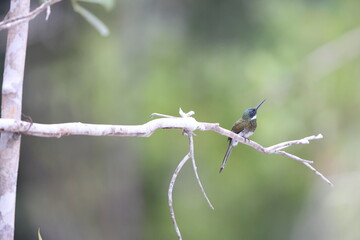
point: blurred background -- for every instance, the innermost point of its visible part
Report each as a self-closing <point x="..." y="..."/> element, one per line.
<point x="216" y="58"/>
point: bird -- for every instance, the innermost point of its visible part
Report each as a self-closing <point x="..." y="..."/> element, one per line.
<point x="244" y="127"/>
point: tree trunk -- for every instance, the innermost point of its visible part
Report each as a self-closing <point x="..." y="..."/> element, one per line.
<point x="11" y="108"/>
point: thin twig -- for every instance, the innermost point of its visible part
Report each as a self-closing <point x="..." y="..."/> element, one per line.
<point x="191" y="143"/>
<point x="286" y="154"/>
<point x="160" y="115"/>
<point x="170" y="191"/>
<point x="7" y="23"/>
<point x="318" y="173"/>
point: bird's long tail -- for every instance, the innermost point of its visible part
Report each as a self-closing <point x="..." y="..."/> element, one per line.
<point x="227" y="154"/>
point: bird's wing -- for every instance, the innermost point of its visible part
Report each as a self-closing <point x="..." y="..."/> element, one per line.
<point x="237" y="127"/>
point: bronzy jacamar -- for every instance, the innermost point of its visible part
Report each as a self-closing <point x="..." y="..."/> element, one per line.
<point x="244" y="127"/>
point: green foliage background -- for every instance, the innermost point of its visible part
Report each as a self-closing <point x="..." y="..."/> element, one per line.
<point x="216" y="58"/>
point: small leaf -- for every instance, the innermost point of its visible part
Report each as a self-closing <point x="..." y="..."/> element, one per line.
<point x="92" y="19"/>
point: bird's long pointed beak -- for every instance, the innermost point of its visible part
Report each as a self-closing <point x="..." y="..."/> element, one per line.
<point x="260" y="104"/>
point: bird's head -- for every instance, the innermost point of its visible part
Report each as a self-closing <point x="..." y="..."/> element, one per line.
<point x="250" y="114"/>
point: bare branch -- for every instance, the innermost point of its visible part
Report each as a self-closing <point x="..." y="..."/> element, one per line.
<point x="7" y="23"/>
<point x="186" y="123"/>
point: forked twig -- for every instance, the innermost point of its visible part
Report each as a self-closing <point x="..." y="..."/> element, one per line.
<point x="191" y="155"/>
<point x="276" y="149"/>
